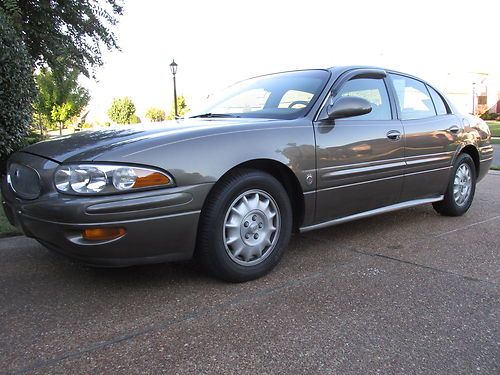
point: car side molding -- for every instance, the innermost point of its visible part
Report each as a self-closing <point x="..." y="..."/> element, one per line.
<point x="377" y="211"/>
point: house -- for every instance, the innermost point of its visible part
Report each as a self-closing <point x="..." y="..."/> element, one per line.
<point x="475" y="93"/>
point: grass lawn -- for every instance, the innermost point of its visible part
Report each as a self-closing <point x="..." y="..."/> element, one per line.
<point x="5" y="228"/>
<point x="495" y="141"/>
<point x="494" y="127"/>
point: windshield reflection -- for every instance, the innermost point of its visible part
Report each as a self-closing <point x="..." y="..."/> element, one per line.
<point x="277" y="96"/>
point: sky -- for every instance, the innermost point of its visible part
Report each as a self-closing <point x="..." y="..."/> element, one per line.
<point x="219" y="42"/>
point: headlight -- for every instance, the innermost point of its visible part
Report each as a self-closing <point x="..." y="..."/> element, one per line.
<point x="103" y="179"/>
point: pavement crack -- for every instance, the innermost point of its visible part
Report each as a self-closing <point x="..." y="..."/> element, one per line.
<point x="456" y="230"/>
<point x="167" y="323"/>
<point x="375" y="254"/>
<point x="469" y="278"/>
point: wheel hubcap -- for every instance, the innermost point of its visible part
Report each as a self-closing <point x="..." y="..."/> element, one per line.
<point x="251" y="227"/>
<point x="462" y="184"/>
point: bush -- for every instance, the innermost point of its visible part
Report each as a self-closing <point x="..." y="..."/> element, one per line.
<point x="134" y="119"/>
<point x="31" y="138"/>
<point x="17" y="89"/>
<point x="490" y="116"/>
<point x="155" y="114"/>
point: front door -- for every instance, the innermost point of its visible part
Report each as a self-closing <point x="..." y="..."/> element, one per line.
<point x="360" y="160"/>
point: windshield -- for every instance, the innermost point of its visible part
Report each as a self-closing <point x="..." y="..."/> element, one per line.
<point x="280" y="96"/>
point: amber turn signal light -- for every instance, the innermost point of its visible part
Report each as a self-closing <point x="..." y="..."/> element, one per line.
<point x="151" y="179"/>
<point x="103" y="234"/>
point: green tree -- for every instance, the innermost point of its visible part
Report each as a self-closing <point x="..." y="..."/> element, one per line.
<point x="122" y="111"/>
<point x="74" y="29"/>
<point x="65" y="35"/>
<point x="60" y="96"/>
<point x="182" y="108"/>
<point x="17" y="88"/>
<point x="155" y="114"/>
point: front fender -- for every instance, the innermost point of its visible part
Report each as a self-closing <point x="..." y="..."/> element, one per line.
<point x="206" y="158"/>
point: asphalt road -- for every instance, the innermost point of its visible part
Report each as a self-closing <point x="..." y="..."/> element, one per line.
<point x="409" y="292"/>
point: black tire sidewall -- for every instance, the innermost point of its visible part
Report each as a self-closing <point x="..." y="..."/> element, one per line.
<point x="216" y="256"/>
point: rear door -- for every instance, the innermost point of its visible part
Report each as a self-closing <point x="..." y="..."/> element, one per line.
<point x="359" y="159"/>
<point x="431" y="137"/>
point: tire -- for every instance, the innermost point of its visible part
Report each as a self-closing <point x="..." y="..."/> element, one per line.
<point x="236" y="239"/>
<point x="461" y="188"/>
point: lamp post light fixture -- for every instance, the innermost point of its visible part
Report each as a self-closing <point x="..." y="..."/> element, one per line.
<point x="173" y="69"/>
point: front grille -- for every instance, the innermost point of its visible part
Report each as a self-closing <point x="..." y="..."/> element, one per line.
<point x="24" y="180"/>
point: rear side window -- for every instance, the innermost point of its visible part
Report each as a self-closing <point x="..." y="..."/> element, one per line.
<point x="438" y="102"/>
<point x="413" y="98"/>
<point x="375" y="92"/>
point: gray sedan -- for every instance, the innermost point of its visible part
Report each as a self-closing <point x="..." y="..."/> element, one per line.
<point x="292" y="151"/>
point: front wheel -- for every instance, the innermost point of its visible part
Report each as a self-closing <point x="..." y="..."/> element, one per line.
<point x="461" y="188"/>
<point x="245" y="226"/>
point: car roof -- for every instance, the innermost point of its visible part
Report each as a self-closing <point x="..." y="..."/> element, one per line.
<point x="343" y="68"/>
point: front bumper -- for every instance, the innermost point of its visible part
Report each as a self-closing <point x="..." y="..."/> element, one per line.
<point x="160" y="225"/>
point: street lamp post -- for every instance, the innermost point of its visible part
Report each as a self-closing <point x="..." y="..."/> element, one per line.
<point x="173" y="69"/>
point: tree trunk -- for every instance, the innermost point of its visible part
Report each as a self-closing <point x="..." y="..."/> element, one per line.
<point x="60" y="128"/>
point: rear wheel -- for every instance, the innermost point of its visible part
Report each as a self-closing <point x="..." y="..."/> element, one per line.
<point x="461" y="188"/>
<point x="245" y="226"/>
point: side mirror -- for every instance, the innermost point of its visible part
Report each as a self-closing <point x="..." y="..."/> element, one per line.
<point x="348" y="106"/>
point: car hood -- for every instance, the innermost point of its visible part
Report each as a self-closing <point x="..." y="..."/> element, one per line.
<point x="90" y="145"/>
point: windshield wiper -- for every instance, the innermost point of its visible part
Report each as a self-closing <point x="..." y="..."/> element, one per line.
<point x="210" y="115"/>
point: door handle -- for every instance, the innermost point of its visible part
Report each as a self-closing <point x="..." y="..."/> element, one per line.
<point x="394" y="135"/>
<point x="453" y="129"/>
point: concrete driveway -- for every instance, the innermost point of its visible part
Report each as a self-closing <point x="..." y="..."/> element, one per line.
<point x="409" y="292"/>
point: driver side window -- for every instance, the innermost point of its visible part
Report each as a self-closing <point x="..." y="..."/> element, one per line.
<point x="375" y="92"/>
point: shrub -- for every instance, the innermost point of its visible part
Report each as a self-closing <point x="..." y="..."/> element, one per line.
<point x="182" y="108"/>
<point x="17" y="89"/>
<point x="134" y="119"/>
<point x="155" y="114"/>
<point x="490" y="116"/>
<point x="31" y="138"/>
